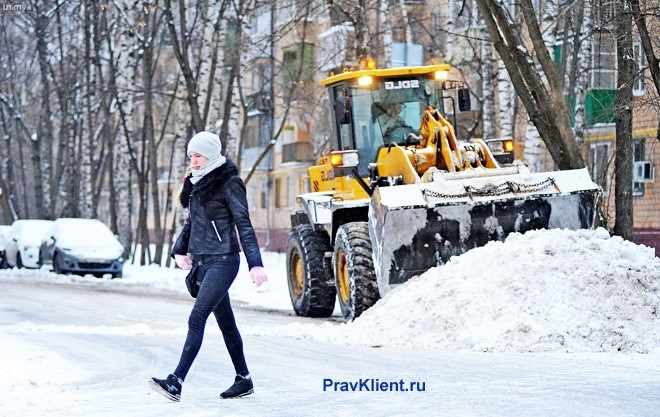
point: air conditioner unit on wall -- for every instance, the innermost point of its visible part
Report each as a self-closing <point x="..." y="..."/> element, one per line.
<point x="643" y="171"/>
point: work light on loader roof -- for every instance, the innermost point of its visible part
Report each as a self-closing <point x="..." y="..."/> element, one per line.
<point x="399" y="193"/>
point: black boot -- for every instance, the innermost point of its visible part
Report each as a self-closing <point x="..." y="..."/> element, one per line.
<point x="170" y="388"/>
<point x="242" y="386"/>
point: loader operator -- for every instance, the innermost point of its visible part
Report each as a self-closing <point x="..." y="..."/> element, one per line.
<point x="391" y="118"/>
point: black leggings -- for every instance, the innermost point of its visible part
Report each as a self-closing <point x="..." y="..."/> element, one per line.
<point x="218" y="272"/>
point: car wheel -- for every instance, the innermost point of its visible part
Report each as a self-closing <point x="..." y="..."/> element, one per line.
<point x="56" y="264"/>
<point x="19" y="261"/>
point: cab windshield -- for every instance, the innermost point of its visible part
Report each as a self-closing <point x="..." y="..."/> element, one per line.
<point x="387" y="113"/>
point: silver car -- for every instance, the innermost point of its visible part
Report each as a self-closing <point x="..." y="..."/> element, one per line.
<point x="82" y="246"/>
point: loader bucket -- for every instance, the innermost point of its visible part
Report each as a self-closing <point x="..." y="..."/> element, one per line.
<point x="418" y="226"/>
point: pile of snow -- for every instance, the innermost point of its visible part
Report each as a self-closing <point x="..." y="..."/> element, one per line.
<point x="550" y="290"/>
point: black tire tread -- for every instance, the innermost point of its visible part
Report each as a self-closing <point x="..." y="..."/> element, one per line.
<point x="318" y="297"/>
<point x="354" y="240"/>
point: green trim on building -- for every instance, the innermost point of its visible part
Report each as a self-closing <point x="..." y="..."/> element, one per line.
<point x="599" y="106"/>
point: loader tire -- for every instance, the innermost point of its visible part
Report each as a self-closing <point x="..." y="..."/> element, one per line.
<point x="311" y="284"/>
<point x="355" y="276"/>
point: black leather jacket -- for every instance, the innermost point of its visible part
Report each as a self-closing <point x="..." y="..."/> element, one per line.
<point x="217" y="209"/>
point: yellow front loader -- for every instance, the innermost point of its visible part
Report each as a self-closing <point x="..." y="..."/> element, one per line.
<point x="399" y="193"/>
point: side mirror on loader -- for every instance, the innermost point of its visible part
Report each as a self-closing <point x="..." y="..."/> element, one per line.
<point x="464" y="102"/>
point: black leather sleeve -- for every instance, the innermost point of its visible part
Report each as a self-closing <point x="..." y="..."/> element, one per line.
<point x="238" y="205"/>
<point x="181" y="245"/>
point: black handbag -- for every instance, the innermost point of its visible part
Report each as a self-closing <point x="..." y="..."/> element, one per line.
<point x="192" y="283"/>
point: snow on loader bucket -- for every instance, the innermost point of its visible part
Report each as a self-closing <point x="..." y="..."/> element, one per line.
<point x="418" y="226"/>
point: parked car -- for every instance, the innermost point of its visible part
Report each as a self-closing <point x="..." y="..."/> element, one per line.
<point x="82" y="246"/>
<point x="4" y="232"/>
<point x="23" y="242"/>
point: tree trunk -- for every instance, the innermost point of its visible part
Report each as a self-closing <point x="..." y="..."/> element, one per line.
<point x="385" y="29"/>
<point x="41" y="145"/>
<point x="86" y="206"/>
<point x="487" y="88"/>
<point x="180" y="47"/>
<point x="623" y="98"/>
<point x="583" y="49"/>
<point x="151" y="30"/>
<point x="406" y="22"/>
<point x="121" y="176"/>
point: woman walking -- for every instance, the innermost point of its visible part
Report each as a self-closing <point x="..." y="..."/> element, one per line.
<point x="209" y="246"/>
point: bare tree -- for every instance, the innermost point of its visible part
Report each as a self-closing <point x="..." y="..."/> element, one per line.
<point x="355" y="13"/>
<point x="191" y="53"/>
<point x="98" y="119"/>
<point x="542" y="95"/>
<point x="14" y="118"/>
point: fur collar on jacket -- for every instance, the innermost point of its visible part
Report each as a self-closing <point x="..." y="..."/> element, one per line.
<point x="209" y="184"/>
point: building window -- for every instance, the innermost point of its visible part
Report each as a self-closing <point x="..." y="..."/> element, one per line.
<point x="264" y="193"/>
<point x="305" y="186"/>
<point x="603" y="13"/>
<point x="557" y="52"/>
<point x="638" y="52"/>
<point x="603" y="63"/>
<point x="251" y="137"/>
<point x="294" y="190"/>
<point x="281" y="192"/>
<point x="253" y="194"/>
<point x="599" y="156"/>
<point x="639" y="146"/>
<point x="231" y="38"/>
<point x="298" y="64"/>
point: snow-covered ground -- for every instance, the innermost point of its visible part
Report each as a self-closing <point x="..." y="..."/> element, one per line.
<point x="553" y="300"/>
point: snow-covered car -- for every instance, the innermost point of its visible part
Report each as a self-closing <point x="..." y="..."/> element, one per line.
<point x="82" y="246"/>
<point x="23" y="242"/>
<point x="4" y="231"/>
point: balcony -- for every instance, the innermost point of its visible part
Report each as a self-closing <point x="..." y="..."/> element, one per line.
<point x="260" y="102"/>
<point x="298" y="152"/>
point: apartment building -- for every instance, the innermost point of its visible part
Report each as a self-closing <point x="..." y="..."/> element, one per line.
<point x="319" y="45"/>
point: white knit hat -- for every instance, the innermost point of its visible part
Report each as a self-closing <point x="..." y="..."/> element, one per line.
<point x="205" y="143"/>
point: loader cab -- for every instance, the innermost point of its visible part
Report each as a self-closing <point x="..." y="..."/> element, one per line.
<point x="372" y="108"/>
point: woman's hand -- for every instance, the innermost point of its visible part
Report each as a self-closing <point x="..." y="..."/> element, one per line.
<point x="258" y="274"/>
<point x="183" y="261"/>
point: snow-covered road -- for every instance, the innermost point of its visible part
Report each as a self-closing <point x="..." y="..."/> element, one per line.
<point x="76" y="350"/>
